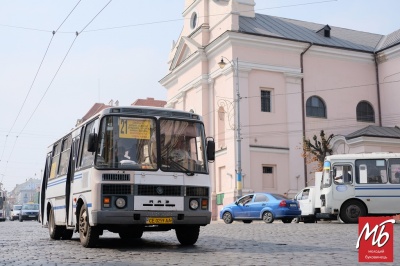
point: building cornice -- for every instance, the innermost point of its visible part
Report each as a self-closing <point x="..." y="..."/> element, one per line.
<point x="231" y="38"/>
<point x="373" y="141"/>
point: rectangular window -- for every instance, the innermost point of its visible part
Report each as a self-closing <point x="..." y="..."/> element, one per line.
<point x="371" y="171"/>
<point x="87" y="157"/>
<point x="55" y="160"/>
<point x="220" y="199"/>
<point x="394" y="166"/>
<point x="66" y="148"/>
<point x="265" y="101"/>
<point x="267" y="170"/>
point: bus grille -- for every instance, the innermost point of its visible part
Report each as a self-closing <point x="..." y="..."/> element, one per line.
<point x="159" y="190"/>
<point x="116" y="177"/>
<point x="117" y="189"/>
<point x="197" y="191"/>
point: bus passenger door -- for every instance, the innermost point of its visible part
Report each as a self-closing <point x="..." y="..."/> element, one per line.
<point x="43" y="190"/>
<point x="69" y="204"/>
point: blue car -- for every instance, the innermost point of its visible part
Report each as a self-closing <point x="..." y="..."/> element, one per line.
<point x="261" y="206"/>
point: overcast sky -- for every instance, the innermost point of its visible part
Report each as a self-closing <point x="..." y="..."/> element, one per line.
<point x="120" y="55"/>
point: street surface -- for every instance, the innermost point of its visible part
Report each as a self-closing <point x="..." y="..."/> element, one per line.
<point x="324" y="243"/>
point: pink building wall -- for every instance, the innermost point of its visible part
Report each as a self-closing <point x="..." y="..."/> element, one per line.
<point x="341" y="78"/>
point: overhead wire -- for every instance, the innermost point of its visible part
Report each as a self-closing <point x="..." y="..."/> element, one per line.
<point x="168" y="20"/>
<point x="52" y="80"/>
<point x="27" y="95"/>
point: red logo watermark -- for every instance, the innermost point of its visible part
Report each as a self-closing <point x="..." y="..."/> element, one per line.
<point x="375" y="239"/>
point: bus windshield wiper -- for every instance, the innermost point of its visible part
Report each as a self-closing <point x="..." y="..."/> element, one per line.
<point x="180" y="167"/>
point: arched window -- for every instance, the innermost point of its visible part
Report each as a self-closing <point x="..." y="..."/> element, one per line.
<point x="365" y="112"/>
<point x="315" y="107"/>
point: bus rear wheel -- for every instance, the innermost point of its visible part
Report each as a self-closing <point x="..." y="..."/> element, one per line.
<point x="55" y="231"/>
<point x="351" y="211"/>
<point x="187" y="235"/>
<point x="88" y="235"/>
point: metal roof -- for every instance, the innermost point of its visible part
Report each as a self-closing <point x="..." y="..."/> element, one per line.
<point x="310" y="32"/>
<point x="376" y="131"/>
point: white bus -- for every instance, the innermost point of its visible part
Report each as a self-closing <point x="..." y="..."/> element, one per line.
<point x="118" y="171"/>
<point x="355" y="185"/>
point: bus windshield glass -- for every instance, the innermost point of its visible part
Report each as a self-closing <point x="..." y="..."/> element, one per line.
<point x="181" y="144"/>
<point x="127" y="143"/>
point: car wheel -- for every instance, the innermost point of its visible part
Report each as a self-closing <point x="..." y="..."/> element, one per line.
<point x="268" y="217"/>
<point x="88" y="234"/>
<point x="296" y="220"/>
<point x="55" y="231"/>
<point x="247" y="221"/>
<point x="227" y="217"/>
<point x="187" y="235"/>
<point x="351" y="211"/>
<point x="287" y="220"/>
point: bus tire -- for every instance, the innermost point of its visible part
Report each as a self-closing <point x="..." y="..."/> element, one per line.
<point x="187" y="235"/>
<point x="55" y="231"/>
<point x="88" y="235"/>
<point x="351" y="211"/>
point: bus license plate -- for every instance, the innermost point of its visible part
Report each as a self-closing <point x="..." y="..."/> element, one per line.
<point x="159" y="220"/>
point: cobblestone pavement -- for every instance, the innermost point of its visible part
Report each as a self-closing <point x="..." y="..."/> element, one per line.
<point x="27" y="243"/>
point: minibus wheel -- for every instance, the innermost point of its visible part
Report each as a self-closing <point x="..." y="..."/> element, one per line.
<point x="55" y="231"/>
<point x="351" y="211"/>
<point x="88" y="234"/>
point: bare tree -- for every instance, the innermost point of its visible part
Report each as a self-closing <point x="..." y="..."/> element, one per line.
<point x="316" y="150"/>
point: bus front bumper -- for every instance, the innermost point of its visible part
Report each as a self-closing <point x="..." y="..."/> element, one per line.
<point x="147" y="218"/>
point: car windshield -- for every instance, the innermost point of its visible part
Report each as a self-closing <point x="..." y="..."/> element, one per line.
<point x="31" y="207"/>
<point x="17" y="207"/>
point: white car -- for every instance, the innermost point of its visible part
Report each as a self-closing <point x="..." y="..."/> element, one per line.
<point x="14" y="215"/>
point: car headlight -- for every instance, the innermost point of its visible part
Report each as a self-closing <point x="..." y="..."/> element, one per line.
<point x="120" y="203"/>
<point x="193" y="204"/>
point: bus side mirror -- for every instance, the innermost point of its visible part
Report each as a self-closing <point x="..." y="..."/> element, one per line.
<point x="210" y="150"/>
<point x="92" y="142"/>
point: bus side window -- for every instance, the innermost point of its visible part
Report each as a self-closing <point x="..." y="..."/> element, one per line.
<point x="394" y="171"/>
<point x="87" y="157"/>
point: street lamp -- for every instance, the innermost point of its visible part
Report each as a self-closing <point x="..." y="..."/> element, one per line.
<point x="235" y="67"/>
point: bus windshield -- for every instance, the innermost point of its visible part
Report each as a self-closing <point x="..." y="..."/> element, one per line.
<point x="127" y="143"/>
<point x="131" y="143"/>
<point x="181" y="144"/>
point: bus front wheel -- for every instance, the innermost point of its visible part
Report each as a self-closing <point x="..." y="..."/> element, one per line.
<point x="351" y="211"/>
<point x="88" y="234"/>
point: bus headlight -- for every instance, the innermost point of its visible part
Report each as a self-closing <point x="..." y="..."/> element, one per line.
<point x="193" y="204"/>
<point x="120" y="203"/>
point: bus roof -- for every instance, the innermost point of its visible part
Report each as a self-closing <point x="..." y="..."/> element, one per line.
<point x="372" y="155"/>
<point x="137" y="110"/>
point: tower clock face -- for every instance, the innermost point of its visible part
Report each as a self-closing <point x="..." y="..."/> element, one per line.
<point x="193" y="20"/>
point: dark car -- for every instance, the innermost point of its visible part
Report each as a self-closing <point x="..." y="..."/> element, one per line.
<point x="29" y="211"/>
<point x="261" y="206"/>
